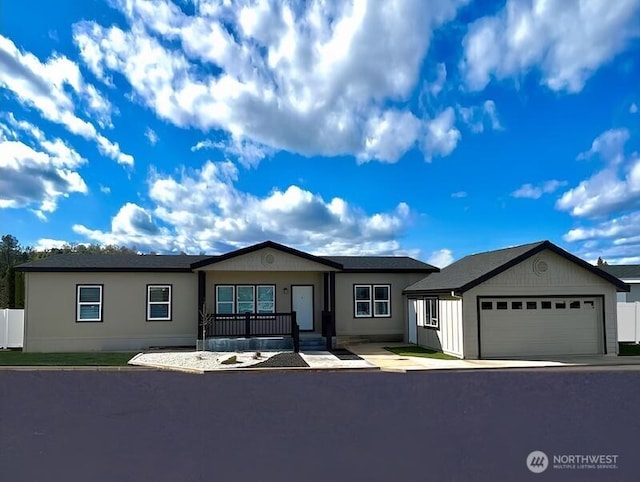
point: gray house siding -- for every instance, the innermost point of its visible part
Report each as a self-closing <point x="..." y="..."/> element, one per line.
<point x="50" y="320"/>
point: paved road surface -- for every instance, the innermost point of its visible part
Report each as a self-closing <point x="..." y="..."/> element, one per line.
<point x="313" y="426"/>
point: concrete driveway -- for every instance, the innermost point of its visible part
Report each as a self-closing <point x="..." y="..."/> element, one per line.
<point x="375" y="354"/>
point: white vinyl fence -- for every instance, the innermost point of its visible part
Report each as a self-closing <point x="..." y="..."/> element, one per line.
<point x="629" y="322"/>
<point x="11" y="328"/>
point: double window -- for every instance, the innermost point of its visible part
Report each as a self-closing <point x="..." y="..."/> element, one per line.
<point x="158" y="302"/>
<point x="245" y="299"/>
<point x="372" y="301"/>
<point x="89" y="303"/>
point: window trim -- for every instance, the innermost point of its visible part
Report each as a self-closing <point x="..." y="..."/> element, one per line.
<point x="81" y="303"/>
<point x="168" y="303"/>
<point x="234" y="302"/>
<point x="431" y="322"/>
<point x="371" y="300"/>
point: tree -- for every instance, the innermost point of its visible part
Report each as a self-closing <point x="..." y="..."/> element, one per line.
<point x="9" y="254"/>
<point x="601" y="262"/>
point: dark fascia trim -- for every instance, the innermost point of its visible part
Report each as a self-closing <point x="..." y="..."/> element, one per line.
<point x="535" y="250"/>
<point x="68" y="269"/>
<point x="411" y="294"/>
<point x="391" y="270"/>
<point x="263" y="245"/>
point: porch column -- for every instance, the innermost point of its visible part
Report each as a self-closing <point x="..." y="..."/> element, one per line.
<point x="202" y="289"/>
<point x="326" y="292"/>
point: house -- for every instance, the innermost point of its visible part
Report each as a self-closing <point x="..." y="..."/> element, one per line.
<point x="630" y="274"/>
<point x="130" y="302"/>
<point x="529" y="300"/>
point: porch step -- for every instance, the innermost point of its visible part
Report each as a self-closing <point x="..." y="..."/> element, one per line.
<point x="345" y="341"/>
<point x="312" y="343"/>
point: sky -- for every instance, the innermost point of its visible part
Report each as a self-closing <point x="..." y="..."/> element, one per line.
<point x="433" y="129"/>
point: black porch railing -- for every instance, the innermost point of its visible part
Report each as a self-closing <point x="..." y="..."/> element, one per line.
<point x="249" y="325"/>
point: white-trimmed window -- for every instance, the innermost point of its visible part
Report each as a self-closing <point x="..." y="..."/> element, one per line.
<point x="372" y="301"/>
<point x="266" y="299"/>
<point x="225" y="299"/>
<point x="158" y="302"/>
<point x="431" y="319"/>
<point x="245" y="299"/>
<point x="89" y="306"/>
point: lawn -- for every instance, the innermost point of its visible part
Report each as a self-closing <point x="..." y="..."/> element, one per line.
<point x="413" y="350"/>
<point x="628" y="349"/>
<point x="18" y="358"/>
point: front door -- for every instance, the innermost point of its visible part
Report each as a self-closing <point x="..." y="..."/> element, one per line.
<point x="302" y="304"/>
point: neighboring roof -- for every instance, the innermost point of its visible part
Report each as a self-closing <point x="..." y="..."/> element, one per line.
<point x="382" y="264"/>
<point x="266" y="244"/>
<point x="472" y="270"/>
<point x="623" y="271"/>
<point x="113" y="262"/>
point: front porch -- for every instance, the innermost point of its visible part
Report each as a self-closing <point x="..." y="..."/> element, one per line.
<point x="262" y="331"/>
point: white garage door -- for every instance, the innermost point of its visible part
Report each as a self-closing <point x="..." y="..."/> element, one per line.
<point x="514" y="327"/>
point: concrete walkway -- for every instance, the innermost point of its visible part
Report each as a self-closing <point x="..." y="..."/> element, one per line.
<point x="375" y="354"/>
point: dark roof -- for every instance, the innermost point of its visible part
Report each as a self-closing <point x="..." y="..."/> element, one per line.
<point x="186" y="263"/>
<point x="474" y="269"/>
<point x="113" y="262"/>
<point x="382" y="264"/>
<point x="266" y="244"/>
<point x="622" y="271"/>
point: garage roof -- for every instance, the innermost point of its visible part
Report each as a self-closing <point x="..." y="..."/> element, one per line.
<point x="474" y="269"/>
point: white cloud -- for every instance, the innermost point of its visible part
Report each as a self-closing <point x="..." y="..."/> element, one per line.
<point x="204" y="211"/>
<point x="46" y="244"/>
<point x="529" y="191"/>
<point x="566" y="41"/>
<point x="151" y="136"/>
<point x="441" y="258"/>
<point x="615" y="187"/>
<point x="633" y="108"/>
<point x="459" y="194"/>
<point x="441" y="135"/>
<point x="437" y="85"/>
<point x="35" y="171"/>
<point x="246" y="152"/>
<point x="475" y="117"/>
<point x="47" y="87"/>
<point x="315" y="78"/>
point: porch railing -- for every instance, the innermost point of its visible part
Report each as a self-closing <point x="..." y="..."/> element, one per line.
<point x="250" y="325"/>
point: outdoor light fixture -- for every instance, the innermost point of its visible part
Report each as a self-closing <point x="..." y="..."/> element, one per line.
<point x="286" y="290"/>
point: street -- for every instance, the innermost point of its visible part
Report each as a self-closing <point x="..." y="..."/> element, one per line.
<point x="315" y="426"/>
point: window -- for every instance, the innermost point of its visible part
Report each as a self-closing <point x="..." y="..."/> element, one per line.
<point x="225" y="300"/>
<point x="588" y="304"/>
<point x="545" y="305"/>
<point x="431" y="313"/>
<point x="560" y="305"/>
<point x="381" y="301"/>
<point x="158" y="302"/>
<point x="372" y="301"/>
<point x="501" y="305"/>
<point x="532" y="305"/>
<point x="89" y="303"/>
<point x="516" y="305"/>
<point x="266" y="299"/>
<point x="574" y="305"/>
<point x="245" y="299"/>
<point x="486" y="305"/>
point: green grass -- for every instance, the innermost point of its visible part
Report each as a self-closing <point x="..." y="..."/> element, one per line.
<point x="17" y="358"/>
<point x="413" y="350"/>
<point x="628" y="349"/>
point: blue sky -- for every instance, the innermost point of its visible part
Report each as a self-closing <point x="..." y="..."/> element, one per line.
<point x="434" y="129"/>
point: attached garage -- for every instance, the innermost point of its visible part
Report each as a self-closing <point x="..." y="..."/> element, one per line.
<point x="534" y="326"/>
<point x="534" y="300"/>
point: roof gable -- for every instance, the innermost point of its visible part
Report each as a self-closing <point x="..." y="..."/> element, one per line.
<point x="260" y="246"/>
<point x="475" y="269"/>
<point x="622" y="271"/>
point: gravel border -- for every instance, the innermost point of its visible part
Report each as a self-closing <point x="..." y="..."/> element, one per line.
<point x="283" y="360"/>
